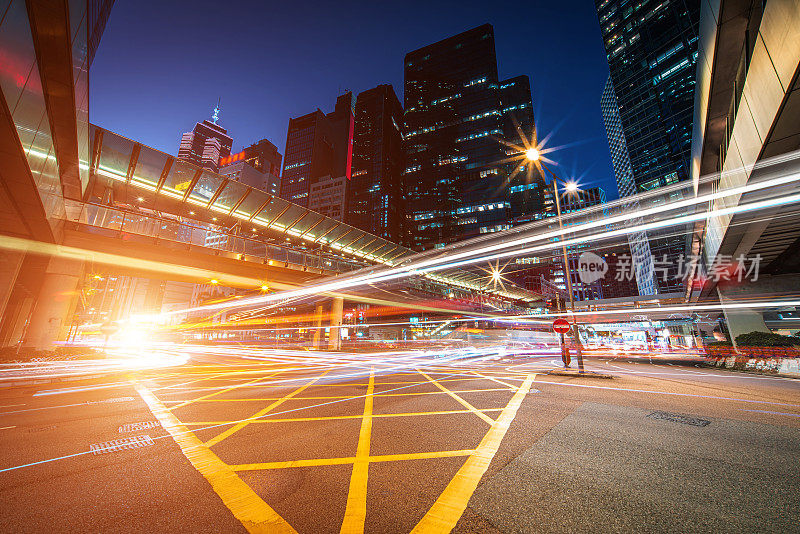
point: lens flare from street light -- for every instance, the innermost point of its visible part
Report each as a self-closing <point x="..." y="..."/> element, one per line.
<point x="572" y="187"/>
<point x="532" y="154"/>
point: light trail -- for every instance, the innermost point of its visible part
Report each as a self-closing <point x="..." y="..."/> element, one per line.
<point x="245" y="420"/>
<point x="436" y="264"/>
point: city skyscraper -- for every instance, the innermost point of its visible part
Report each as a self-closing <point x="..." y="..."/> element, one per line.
<point x="375" y="190"/>
<point x="525" y="183"/>
<point x="206" y="143"/>
<point x="318" y="145"/>
<point x="623" y="172"/>
<point x="652" y="52"/>
<point x="455" y="171"/>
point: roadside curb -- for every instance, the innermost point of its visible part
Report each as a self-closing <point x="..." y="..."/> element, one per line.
<point x="749" y="372"/>
<point x="578" y="374"/>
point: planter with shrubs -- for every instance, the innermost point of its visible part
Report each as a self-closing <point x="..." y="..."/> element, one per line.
<point x="757" y="351"/>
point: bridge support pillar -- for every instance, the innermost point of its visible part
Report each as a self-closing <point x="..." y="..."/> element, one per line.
<point x="319" y="310"/>
<point x="10" y="263"/>
<point x="740" y="320"/>
<point x="335" y="338"/>
<point x="49" y="320"/>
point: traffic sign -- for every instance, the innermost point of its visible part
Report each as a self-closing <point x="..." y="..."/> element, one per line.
<point x="561" y="326"/>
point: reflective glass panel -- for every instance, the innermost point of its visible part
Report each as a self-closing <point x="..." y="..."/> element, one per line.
<point x="205" y="188"/>
<point x="229" y="196"/>
<point x="179" y="178"/>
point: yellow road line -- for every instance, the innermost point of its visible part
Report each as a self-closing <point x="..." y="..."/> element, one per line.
<point x="214" y="376"/>
<point x="461" y="401"/>
<point x="448" y="508"/>
<point x="204" y="397"/>
<point x="335" y="417"/>
<point x="255" y="514"/>
<point x="493" y="379"/>
<point x="378" y="394"/>
<point x="356" y="512"/>
<point x="350" y="460"/>
<point x="227" y="433"/>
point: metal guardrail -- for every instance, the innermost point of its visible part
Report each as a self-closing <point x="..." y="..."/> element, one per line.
<point x="209" y="238"/>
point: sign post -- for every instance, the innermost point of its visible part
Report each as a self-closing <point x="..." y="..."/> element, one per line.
<point x="561" y="326"/>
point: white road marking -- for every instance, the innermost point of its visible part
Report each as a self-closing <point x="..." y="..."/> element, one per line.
<point x="117" y="445"/>
<point x="143" y="425"/>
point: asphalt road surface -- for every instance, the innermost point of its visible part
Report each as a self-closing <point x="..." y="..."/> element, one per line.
<point x="318" y="442"/>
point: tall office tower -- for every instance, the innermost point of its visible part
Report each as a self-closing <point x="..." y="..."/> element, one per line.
<point x="206" y="143"/>
<point x="638" y="243"/>
<point x="525" y="183"/>
<point x="652" y="51"/>
<point x="258" y="165"/>
<point x="318" y="145"/>
<point x="375" y="195"/>
<point x="455" y="173"/>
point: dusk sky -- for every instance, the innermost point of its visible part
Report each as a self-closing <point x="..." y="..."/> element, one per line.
<point x="161" y="66"/>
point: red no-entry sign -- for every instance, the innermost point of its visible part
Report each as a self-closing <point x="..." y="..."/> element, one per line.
<point x="561" y="326"/>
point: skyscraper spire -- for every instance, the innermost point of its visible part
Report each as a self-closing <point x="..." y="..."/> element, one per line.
<point x="215" y="114"/>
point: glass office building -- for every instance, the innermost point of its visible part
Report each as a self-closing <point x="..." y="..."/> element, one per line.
<point x="623" y="172"/>
<point x="651" y="48"/>
<point x="318" y="145"/>
<point x="374" y="197"/>
<point x="454" y="175"/>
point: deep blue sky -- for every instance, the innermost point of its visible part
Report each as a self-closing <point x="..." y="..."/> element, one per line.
<point x="161" y="65"/>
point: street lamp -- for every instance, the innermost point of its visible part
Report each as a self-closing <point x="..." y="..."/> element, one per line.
<point x="532" y="155"/>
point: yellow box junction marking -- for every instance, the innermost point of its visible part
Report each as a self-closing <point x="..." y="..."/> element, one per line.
<point x="255" y="514"/>
<point x="226" y="434"/>
<point x="220" y="392"/>
<point x="356" y="512"/>
<point x="493" y="379"/>
<point x="351" y="459"/>
<point x="328" y="397"/>
<point x="339" y="417"/>
<point x="461" y="401"/>
<point x="448" y="508"/>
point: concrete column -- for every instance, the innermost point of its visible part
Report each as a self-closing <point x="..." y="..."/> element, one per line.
<point x="318" y="312"/>
<point x="10" y="263"/>
<point x="740" y="320"/>
<point x="49" y="320"/>
<point x="334" y="338"/>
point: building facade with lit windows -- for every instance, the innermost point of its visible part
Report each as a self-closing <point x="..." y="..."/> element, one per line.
<point x="374" y="199"/>
<point x="263" y="158"/>
<point x="206" y="144"/>
<point x="623" y="172"/>
<point x="454" y="126"/>
<point x="651" y="48"/>
<point x="318" y="145"/>
<point x="525" y="182"/>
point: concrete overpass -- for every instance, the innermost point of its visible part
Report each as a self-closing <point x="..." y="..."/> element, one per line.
<point x="747" y="130"/>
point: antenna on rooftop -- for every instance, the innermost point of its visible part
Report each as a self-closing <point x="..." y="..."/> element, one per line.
<point x="215" y="114"/>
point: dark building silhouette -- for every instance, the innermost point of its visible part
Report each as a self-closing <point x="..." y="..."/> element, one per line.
<point x="456" y="174"/>
<point x="318" y="145"/>
<point x="374" y="199"/>
<point x="525" y="183"/>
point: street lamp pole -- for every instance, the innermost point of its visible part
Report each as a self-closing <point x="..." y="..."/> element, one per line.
<point x="532" y="154"/>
